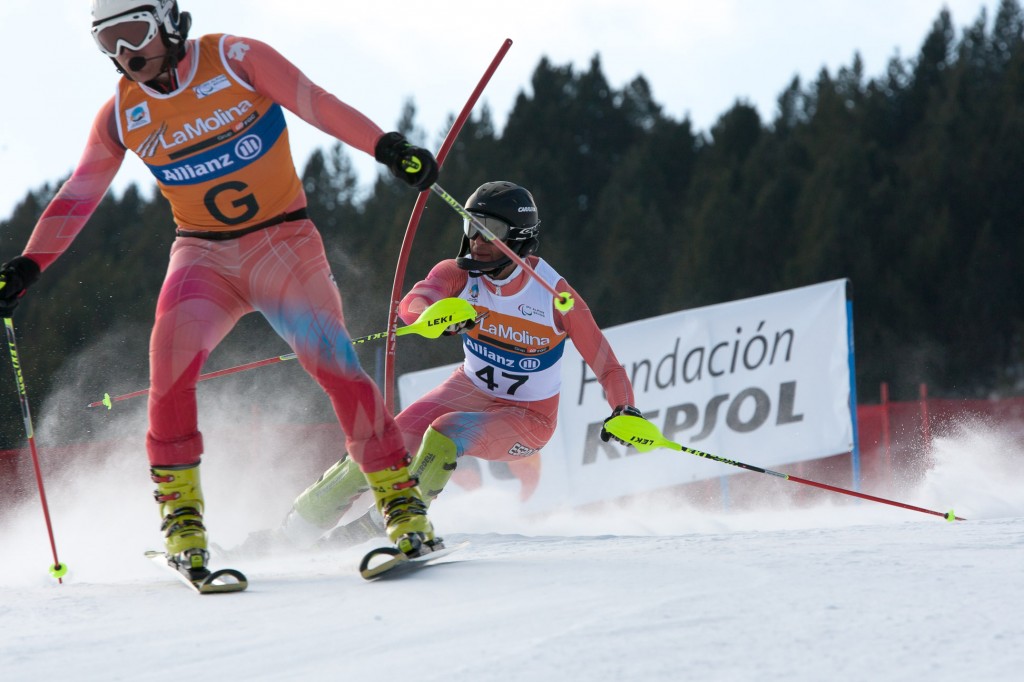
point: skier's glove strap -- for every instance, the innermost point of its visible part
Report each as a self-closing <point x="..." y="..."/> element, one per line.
<point x="459" y="327"/>
<point x="621" y="409"/>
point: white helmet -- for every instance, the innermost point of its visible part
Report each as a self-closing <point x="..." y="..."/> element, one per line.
<point x="152" y="17"/>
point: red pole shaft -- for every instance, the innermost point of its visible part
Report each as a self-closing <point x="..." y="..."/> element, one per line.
<point x="797" y="479"/>
<point x="414" y="221"/>
<point x="204" y="377"/>
<point x="46" y="506"/>
<point x="26" y="415"/>
<point x="863" y="496"/>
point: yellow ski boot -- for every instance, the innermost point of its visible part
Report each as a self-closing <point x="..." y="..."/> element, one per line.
<point x="405" y="513"/>
<point x="432" y="467"/>
<point x="320" y="506"/>
<point x="434" y="464"/>
<point x="180" y="497"/>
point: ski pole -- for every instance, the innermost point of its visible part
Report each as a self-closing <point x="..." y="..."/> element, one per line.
<point x="644" y="436"/>
<point x="430" y="324"/>
<point x="57" y="570"/>
<point x="563" y="300"/>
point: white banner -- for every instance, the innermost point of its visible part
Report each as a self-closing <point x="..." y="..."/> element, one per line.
<point x="764" y="380"/>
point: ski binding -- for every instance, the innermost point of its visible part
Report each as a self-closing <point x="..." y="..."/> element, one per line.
<point x="203" y="581"/>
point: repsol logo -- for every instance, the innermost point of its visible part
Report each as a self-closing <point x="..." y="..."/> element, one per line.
<point x="745" y="412"/>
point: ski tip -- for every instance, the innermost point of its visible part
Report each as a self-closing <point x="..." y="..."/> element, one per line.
<point x="395" y="562"/>
<point x="224" y="580"/>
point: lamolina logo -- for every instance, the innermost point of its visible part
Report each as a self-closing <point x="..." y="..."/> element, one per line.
<point x="220" y="118"/>
<point x="503" y="331"/>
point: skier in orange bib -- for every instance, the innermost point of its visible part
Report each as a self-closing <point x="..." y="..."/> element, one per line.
<point x="205" y="115"/>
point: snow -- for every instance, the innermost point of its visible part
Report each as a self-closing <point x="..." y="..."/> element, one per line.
<point x="658" y="589"/>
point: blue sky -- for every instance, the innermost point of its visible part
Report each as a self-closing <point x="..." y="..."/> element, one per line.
<point x="698" y="56"/>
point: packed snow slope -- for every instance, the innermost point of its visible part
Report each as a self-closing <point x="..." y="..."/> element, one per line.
<point x="654" y="590"/>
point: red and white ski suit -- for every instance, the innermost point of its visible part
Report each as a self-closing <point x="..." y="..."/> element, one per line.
<point x="501" y="404"/>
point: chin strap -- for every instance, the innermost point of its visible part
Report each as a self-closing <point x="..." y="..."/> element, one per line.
<point x="170" y="66"/>
<point x="478" y="267"/>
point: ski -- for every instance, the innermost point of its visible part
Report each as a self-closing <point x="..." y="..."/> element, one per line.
<point x="398" y="564"/>
<point x="203" y="582"/>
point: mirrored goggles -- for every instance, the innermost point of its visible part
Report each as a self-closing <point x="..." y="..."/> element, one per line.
<point x="131" y="31"/>
<point x="497" y="226"/>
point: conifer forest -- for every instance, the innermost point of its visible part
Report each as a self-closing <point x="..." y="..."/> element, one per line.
<point x="908" y="183"/>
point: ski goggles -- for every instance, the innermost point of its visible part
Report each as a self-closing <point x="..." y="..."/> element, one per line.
<point x="498" y="227"/>
<point x="132" y="30"/>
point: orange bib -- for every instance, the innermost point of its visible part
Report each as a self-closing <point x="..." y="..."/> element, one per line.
<point x="218" y="149"/>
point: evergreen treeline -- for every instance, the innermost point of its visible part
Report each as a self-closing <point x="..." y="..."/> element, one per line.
<point x="907" y="183"/>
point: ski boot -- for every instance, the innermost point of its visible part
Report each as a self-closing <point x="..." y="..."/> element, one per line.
<point x="434" y="464"/>
<point x="367" y="527"/>
<point x="321" y="505"/>
<point x="401" y="505"/>
<point x="180" y="496"/>
<point x="432" y="467"/>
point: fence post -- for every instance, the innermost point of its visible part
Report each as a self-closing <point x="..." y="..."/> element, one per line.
<point x="926" y="431"/>
<point x="886" y="441"/>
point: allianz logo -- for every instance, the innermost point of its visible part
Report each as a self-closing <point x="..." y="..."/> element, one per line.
<point x="246" y="149"/>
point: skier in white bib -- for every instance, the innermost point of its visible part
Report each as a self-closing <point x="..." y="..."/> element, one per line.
<point x="501" y="404"/>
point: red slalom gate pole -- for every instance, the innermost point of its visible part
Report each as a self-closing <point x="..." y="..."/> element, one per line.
<point x="57" y="570"/>
<point x="414" y="221"/>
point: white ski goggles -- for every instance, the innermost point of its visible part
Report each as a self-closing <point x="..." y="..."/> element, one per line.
<point x="133" y="31"/>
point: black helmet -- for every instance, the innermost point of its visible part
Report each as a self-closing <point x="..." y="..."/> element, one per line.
<point x="513" y="206"/>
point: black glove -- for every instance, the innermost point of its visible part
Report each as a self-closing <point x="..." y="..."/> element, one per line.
<point x="459" y="327"/>
<point x="412" y="165"/>
<point x="17" y="275"/>
<point x="621" y="409"/>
